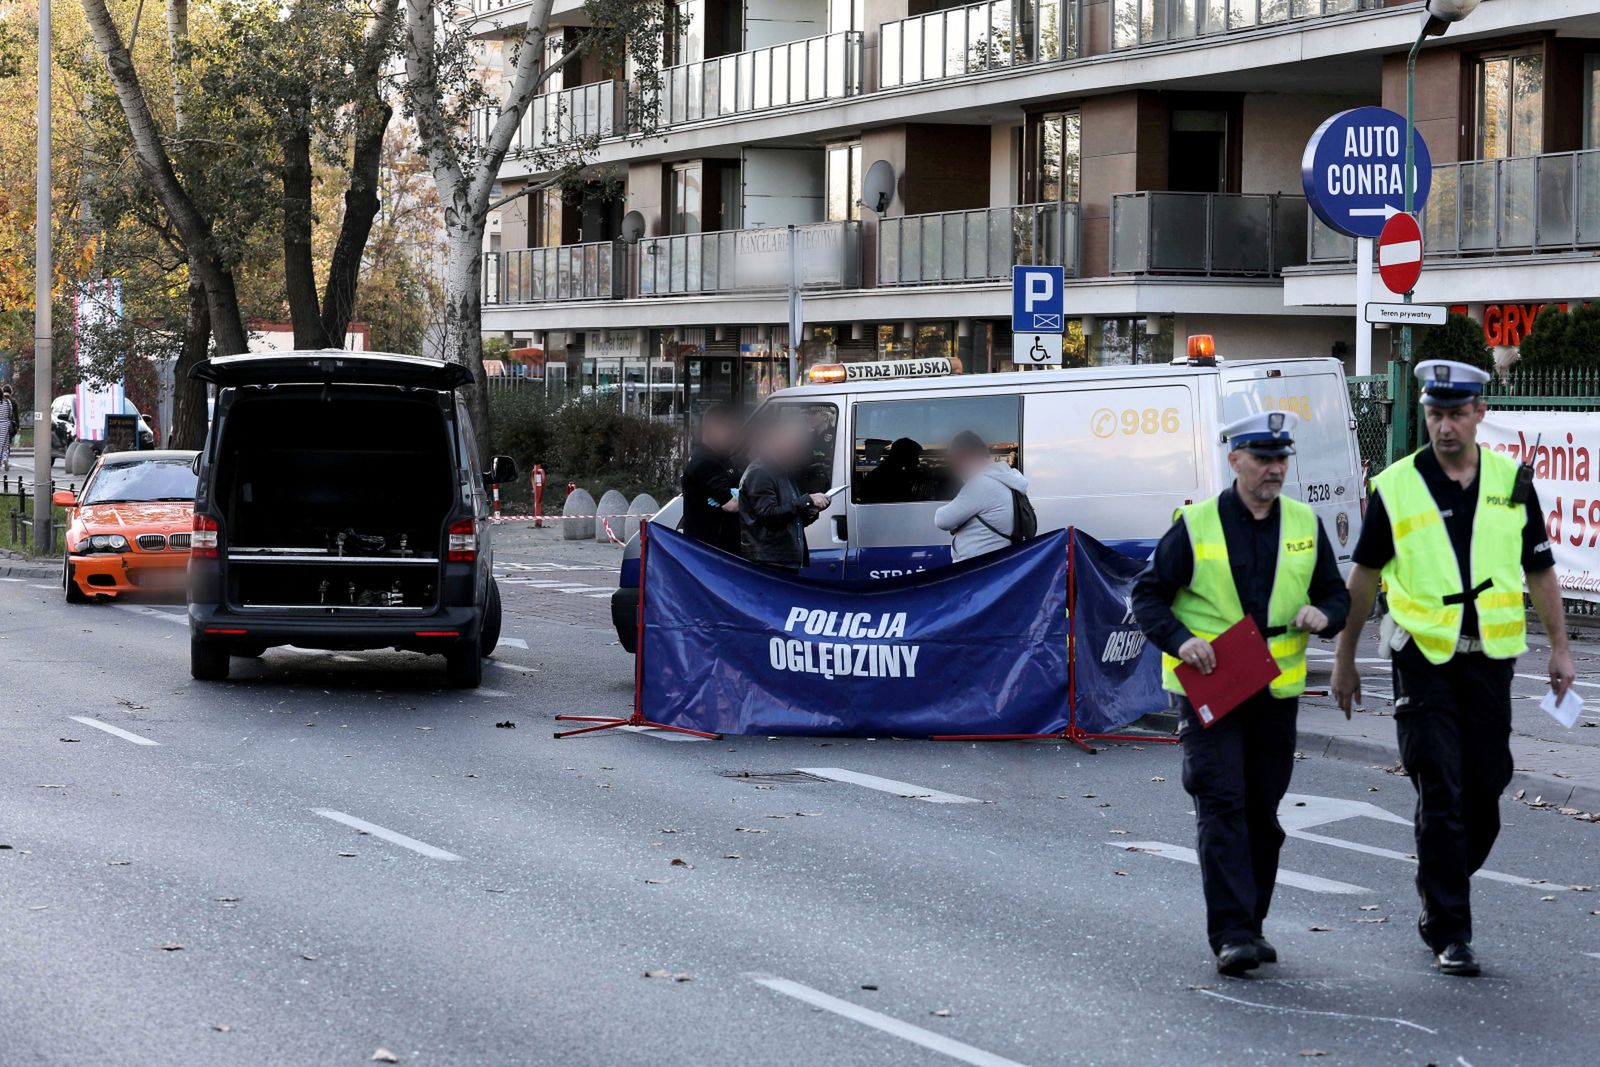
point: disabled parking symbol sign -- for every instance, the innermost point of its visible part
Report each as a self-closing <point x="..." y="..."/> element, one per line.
<point x="1036" y="349"/>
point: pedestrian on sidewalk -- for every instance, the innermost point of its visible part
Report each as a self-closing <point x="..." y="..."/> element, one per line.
<point x="1452" y="531"/>
<point x="991" y="510"/>
<point x="773" y="511"/>
<point x="1246" y="552"/>
<point x="10" y="425"/>
<point x="711" y="482"/>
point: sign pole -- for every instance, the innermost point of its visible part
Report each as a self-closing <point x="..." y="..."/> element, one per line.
<point x="796" y="312"/>
<point x="43" y="331"/>
<point x="1402" y="408"/>
<point x="1363" y="297"/>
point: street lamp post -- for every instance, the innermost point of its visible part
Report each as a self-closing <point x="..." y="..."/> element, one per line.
<point x="43" y="537"/>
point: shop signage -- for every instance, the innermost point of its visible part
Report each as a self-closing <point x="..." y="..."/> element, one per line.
<point x="1506" y="325"/>
<point x="1564" y="448"/>
<point x="1407" y="314"/>
<point x="1352" y="169"/>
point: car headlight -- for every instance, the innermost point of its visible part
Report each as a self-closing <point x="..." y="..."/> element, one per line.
<point x="105" y="543"/>
<point x="119" y="543"/>
<point x="100" y="542"/>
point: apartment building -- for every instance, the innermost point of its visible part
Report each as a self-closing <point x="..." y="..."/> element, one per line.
<point x="1150" y="147"/>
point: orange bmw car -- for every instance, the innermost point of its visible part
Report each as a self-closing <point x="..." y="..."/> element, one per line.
<point x="129" y="530"/>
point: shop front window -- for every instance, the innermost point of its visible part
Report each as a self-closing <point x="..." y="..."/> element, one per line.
<point x="1510" y="106"/>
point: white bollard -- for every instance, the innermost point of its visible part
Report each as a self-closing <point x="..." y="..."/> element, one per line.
<point x="578" y="502"/>
<point x="612" y="512"/>
<point x="644" y="505"/>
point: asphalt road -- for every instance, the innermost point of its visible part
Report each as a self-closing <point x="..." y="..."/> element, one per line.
<point x="353" y="858"/>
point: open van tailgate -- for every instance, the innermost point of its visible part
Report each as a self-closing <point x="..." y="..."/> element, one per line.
<point x="334" y="367"/>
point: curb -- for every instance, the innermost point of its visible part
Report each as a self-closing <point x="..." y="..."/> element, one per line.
<point x="1556" y="792"/>
<point x="16" y="565"/>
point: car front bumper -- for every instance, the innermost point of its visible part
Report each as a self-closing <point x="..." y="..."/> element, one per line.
<point x="120" y="573"/>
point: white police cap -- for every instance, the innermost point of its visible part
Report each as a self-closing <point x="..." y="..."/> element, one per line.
<point x="1448" y="384"/>
<point x="1269" y="433"/>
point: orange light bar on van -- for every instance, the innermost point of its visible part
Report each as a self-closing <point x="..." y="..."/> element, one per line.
<point x="1202" y="346"/>
<point x="826" y="374"/>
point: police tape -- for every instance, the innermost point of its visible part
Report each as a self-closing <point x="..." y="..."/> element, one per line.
<point x="555" y="518"/>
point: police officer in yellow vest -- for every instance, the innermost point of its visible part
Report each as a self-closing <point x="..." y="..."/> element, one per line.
<point x="1451" y="533"/>
<point x="1248" y="551"/>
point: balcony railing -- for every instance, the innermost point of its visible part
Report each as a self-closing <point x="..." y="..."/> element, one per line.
<point x="724" y="261"/>
<point x="565" y="272"/>
<point x="1520" y="206"/>
<point x="1141" y="22"/>
<point x="795" y="72"/>
<point x="980" y="245"/>
<point x="561" y="117"/>
<point x="969" y="40"/>
<point x="1207" y="233"/>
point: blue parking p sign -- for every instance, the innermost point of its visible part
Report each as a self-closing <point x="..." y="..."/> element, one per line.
<point x="1038" y="299"/>
<point x="1353" y="168"/>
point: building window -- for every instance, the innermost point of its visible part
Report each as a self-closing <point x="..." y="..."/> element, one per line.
<point x="548" y="209"/>
<point x="844" y="181"/>
<point x="1053" y="156"/>
<point x="846" y="15"/>
<point x="685" y="198"/>
<point x="1510" y="105"/>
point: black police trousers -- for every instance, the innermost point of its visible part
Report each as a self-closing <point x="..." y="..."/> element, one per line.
<point x="1237" y="771"/>
<point x="1453" y="723"/>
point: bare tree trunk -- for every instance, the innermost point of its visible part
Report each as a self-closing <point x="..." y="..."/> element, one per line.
<point x="299" y="274"/>
<point x="227" y="323"/>
<point x="189" y="396"/>
<point x="178" y="41"/>
<point x="361" y="206"/>
<point x="463" y="322"/>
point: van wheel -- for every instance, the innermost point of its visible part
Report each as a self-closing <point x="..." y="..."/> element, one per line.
<point x="463" y="667"/>
<point x="489" y="631"/>
<point x="70" y="584"/>
<point x="208" y="661"/>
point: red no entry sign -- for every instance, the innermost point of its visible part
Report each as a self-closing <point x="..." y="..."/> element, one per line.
<point x="1400" y="254"/>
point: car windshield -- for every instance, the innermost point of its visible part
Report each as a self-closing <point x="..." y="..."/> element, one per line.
<point x="156" y="479"/>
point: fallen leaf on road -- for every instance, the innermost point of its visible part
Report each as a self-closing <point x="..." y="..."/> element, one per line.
<point x="1373" y="919"/>
<point x="674" y="976"/>
<point x="38" y="907"/>
<point x="671" y="830"/>
<point x="308" y="957"/>
<point x="808" y="814"/>
<point x="1197" y="988"/>
<point x="346" y="855"/>
<point x="221" y="1028"/>
<point x="1158" y="778"/>
<point x="747" y="830"/>
<point x="1580" y="888"/>
<point x="1312" y="1052"/>
<point x="472" y="776"/>
<point x="383" y="1055"/>
<point x="488" y="889"/>
<point x="109" y="863"/>
<point x="1138" y="848"/>
<point x="870" y="988"/>
<point x="70" y="740"/>
<point x="1547" y="898"/>
<point x="52" y="785"/>
<point x="731" y="856"/>
<point x="422" y="727"/>
<point x="676" y="862"/>
<point x="227" y="900"/>
<point x="1120" y="833"/>
<point x="1519" y="794"/>
<point x="1120" y="874"/>
<point x="509" y="725"/>
<point x="1088" y="796"/>
<point x="170" y="946"/>
<point x="657" y="881"/>
<point x="1103" y="804"/>
<point x="943" y="1013"/>
<point x="1321" y="929"/>
<point x="777" y="816"/>
<point x="1369" y="907"/>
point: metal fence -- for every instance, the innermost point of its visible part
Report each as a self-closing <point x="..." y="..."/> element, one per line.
<point x="795" y="72"/>
<point x="722" y="261"/>
<point x="979" y="245"/>
<point x="1370" y="402"/>
<point x="1207" y="233"/>
<point x="1552" y="389"/>
<point x="564" y="272"/>
<point x="991" y="35"/>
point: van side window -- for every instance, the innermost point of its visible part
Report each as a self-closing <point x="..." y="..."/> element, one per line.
<point x="823" y="419"/>
<point x="1322" y="439"/>
<point x="899" y="450"/>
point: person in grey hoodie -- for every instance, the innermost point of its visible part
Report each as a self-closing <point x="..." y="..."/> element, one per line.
<point x="981" y="515"/>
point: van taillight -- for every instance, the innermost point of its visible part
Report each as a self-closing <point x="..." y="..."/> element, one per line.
<point x="463" y="547"/>
<point x="203" y="543"/>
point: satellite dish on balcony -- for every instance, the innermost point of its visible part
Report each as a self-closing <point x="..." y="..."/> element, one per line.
<point x="877" y="188"/>
<point x="632" y="227"/>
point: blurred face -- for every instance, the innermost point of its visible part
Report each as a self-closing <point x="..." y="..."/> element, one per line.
<point x="1454" y="431"/>
<point x="788" y="445"/>
<point x="718" y="433"/>
<point x="968" y="463"/>
<point x="1260" y="478"/>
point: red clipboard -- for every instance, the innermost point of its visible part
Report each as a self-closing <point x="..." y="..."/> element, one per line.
<point x="1244" y="668"/>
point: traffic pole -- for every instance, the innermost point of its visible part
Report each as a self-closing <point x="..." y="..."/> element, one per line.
<point x="538" y="496"/>
<point x="1363" y="297"/>
<point x="43" y="362"/>
<point x="1401" y="407"/>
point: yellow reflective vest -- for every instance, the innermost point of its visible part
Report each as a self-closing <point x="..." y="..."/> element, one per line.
<point x="1210" y="603"/>
<point x="1424" y="578"/>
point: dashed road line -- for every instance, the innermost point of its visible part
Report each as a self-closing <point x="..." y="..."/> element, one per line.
<point x="116" y="731"/>
<point x="514" y="642"/>
<point x="1310" y="882"/>
<point x="662" y="735"/>
<point x="947" y="1046"/>
<point x="1545" y="678"/>
<point x="503" y="665"/>
<point x="1389" y="853"/>
<point x="420" y="847"/>
<point x="888" y="785"/>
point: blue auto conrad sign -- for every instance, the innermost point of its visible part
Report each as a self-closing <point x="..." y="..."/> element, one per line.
<point x="1353" y="170"/>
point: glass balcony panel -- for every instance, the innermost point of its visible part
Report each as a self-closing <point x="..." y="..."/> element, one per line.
<point x="1439" y="213"/>
<point x="889" y="46"/>
<point x="1150" y="27"/>
<point x="1289" y="232"/>
<point x="1558" y="201"/>
<point x="836" y="68"/>
<point x="1478" y="216"/>
<point x="1024" y="235"/>
<point x="933" y="47"/>
<point x="728" y="85"/>
<point x="1185" y="19"/>
<point x="746" y="74"/>
<point x="1520" y="201"/>
<point x="763" y="79"/>
<point x="955" y="43"/>
<point x="975" y="254"/>
<point x="998" y="224"/>
<point x="1178" y="232"/>
<point x="1069" y="233"/>
<point x="1130" y="233"/>
<point x="1001" y="47"/>
<point x="780" y="77"/>
<point x="1241" y="14"/>
<point x="711" y="89"/>
<point x="929" y="254"/>
<point x="953" y="247"/>
<point x="1241" y="235"/>
<point x="1273" y="11"/>
<point x="1214" y="16"/>
<point x="1588" y="198"/>
<point x="889" y="252"/>
<point x="677" y="94"/>
<point x="1124" y="23"/>
<point x="911" y="53"/>
<point x="911" y="251"/>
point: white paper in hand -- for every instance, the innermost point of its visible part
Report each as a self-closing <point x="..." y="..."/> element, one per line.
<point x="1566" y="712"/>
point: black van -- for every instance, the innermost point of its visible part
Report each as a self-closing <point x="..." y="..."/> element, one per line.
<point x="341" y="505"/>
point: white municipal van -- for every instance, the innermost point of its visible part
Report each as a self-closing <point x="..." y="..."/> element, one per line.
<point x="1110" y="450"/>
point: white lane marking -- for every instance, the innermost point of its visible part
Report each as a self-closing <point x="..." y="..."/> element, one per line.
<point x="1309" y="1011"/>
<point x="958" y="1050"/>
<point x="887" y="785"/>
<point x="514" y="642"/>
<point x="1596" y="955"/>
<point x="388" y="835"/>
<point x="40" y="585"/>
<point x="1359" y="659"/>
<point x="148" y="612"/>
<point x="1301" y="811"/>
<point x="342" y="658"/>
<point x="592" y="590"/>
<point x="1545" y="678"/>
<point x="16" y="580"/>
<point x="554" y="586"/>
<point x="113" y="730"/>
<point x="662" y="735"/>
<point x="1285" y="877"/>
<point x="513" y="667"/>
<point x="599" y="596"/>
<point x="1386" y="853"/>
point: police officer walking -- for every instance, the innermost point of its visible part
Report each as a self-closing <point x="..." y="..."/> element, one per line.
<point x="1452" y="530"/>
<point x="1246" y="552"/>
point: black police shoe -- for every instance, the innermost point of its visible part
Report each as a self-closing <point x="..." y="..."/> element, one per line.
<point x="1238" y="957"/>
<point x="1265" y="950"/>
<point x="1458" y="959"/>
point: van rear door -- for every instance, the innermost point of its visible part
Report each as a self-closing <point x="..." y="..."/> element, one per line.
<point x="1325" y="471"/>
<point x="332" y="367"/>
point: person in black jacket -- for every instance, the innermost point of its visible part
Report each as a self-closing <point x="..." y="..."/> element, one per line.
<point x="711" y="482"/>
<point x="773" y="512"/>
